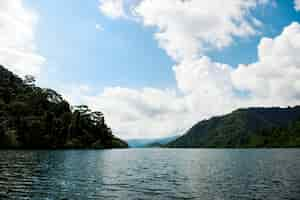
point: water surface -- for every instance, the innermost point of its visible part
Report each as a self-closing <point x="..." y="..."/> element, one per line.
<point x="151" y="174"/>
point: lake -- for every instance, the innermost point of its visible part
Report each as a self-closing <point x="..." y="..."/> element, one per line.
<point x="151" y="174"/>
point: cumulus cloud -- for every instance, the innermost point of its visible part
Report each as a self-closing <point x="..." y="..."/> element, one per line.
<point x="206" y="88"/>
<point x="147" y="112"/>
<point x="275" y="77"/>
<point x="17" y="38"/>
<point x="189" y="28"/>
<point x="133" y="113"/>
<point x="113" y="8"/>
<point x="186" y="30"/>
<point x="297" y="5"/>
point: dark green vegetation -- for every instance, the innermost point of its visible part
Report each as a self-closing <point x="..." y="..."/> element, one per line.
<point x="37" y="118"/>
<point x="246" y="128"/>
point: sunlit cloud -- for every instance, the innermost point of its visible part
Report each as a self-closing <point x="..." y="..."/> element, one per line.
<point x="18" y="49"/>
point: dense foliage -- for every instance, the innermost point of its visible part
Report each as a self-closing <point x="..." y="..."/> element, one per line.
<point x="277" y="137"/>
<point x="246" y="128"/>
<point x="33" y="117"/>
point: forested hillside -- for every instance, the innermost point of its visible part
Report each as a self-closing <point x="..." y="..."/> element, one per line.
<point x="253" y="127"/>
<point x="33" y="117"/>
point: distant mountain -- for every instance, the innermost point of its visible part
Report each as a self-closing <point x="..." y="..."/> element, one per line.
<point x="253" y="127"/>
<point x="141" y="143"/>
<point x="38" y="118"/>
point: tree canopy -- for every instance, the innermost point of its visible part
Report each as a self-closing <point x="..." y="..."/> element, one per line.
<point x="33" y="117"/>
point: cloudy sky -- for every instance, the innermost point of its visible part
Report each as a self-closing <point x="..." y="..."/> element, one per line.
<point x="157" y="67"/>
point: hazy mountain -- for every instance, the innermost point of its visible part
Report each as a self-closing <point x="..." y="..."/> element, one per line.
<point x="140" y="143"/>
<point x="253" y="127"/>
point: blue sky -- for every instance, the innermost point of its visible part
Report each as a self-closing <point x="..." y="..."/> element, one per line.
<point x="156" y="67"/>
<point x="124" y="53"/>
<point x="274" y="18"/>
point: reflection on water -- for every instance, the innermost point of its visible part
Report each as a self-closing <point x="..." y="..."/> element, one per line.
<point x="151" y="174"/>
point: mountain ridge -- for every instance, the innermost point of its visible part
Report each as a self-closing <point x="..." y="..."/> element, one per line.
<point x="238" y="128"/>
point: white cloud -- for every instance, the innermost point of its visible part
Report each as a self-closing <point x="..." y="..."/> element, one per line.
<point x="297" y="5"/>
<point x="113" y="8"/>
<point x="212" y="88"/>
<point x="207" y="88"/>
<point x="206" y="85"/>
<point x="276" y="75"/>
<point x="189" y="28"/>
<point x="204" y="88"/>
<point x="134" y="113"/>
<point x="17" y="38"/>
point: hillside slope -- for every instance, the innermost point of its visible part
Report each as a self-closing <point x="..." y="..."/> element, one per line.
<point x="253" y="127"/>
<point x="33" y="117"/>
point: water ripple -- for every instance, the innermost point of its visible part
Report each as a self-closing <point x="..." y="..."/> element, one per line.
<point x="150" y="174"/>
